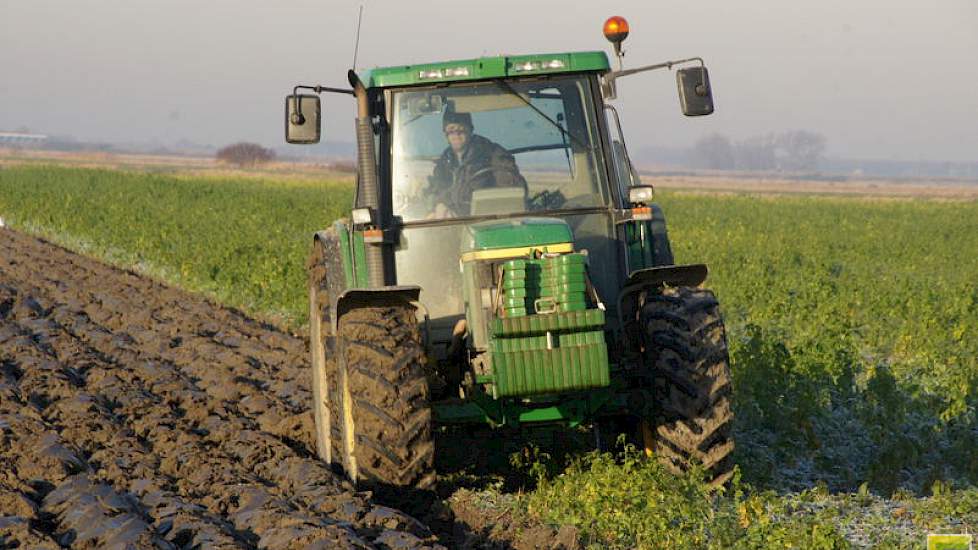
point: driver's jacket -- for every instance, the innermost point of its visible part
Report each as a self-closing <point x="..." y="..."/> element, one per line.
<point x="484" y="164"/>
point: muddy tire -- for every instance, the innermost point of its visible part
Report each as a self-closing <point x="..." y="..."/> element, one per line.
<point x="382" y="397"/>
<point x="685" y="344"/>
<point x="324" y="377"/>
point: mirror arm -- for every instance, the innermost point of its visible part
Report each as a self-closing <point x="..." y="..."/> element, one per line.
<point x="666" y="65"/>
<point x="609" y="78"/>
<point x="321" y="89"/>
<point x="297" y="117"/>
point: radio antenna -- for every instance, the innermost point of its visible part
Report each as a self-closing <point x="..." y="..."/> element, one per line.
<point x="356" y="45"/>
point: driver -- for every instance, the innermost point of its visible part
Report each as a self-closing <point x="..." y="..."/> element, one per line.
<point x="469" y="162"/>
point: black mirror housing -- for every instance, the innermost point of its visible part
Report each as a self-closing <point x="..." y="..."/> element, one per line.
<point x="695" y="93"/>
<point x="302" y="120"/>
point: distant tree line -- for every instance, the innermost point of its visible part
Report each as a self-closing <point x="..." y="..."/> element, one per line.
<point x="791" y="151"/>
<point x="245" y="154"/>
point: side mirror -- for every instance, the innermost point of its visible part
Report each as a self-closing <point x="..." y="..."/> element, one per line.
<point x="302" y="124"/>
<point x="695" y="93"/>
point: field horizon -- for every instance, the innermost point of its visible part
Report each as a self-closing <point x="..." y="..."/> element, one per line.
<point x="342" y="170"/>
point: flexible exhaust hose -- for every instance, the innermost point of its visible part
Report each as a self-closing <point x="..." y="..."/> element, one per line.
<point x="367" y="165"/>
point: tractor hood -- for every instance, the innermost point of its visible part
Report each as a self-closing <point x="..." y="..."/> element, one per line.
<point x="487" y="239"/>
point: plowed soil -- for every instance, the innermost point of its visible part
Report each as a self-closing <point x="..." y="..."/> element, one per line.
<point x="136" y="415"/>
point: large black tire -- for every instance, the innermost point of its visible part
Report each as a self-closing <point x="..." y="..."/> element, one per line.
<point x="686" y="345"/>
<point x="370" y="394"/>
<point x="381" y="395"/>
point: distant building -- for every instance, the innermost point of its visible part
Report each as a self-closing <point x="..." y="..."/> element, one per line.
<point x="15" y="139"/>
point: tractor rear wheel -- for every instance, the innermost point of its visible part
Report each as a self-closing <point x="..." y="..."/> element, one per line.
<point x="685" y="344"/>
<point x="382" y="415"/>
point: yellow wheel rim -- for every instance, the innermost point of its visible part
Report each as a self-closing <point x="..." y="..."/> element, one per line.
<point x="647" y="437"/>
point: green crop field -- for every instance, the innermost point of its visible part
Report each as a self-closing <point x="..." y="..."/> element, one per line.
<point x="243" y="242"/>
<point x="853" y="329"/>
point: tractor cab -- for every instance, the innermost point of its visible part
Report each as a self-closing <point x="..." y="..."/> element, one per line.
<point x="532" y="148"/>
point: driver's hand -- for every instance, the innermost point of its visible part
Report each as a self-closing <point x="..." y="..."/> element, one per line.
<point x="440" y="213"/>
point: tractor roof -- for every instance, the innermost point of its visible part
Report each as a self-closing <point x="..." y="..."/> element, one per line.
<point x="484" y="68"/>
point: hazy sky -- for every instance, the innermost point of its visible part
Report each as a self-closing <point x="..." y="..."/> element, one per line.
<point x="891" y="79"/>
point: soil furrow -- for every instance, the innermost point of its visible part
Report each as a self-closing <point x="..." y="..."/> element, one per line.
<point x="194" y="426"/>
<point x="245" y="363"/>
<point x="48" y="496"/>
<point x="112" y="452"/>
<point x="302" y="482"/>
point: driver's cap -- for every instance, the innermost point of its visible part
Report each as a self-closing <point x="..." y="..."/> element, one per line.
<point x="451" y="117"/>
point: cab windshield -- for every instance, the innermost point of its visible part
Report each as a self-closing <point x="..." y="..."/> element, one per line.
<point x="499" y="147"/>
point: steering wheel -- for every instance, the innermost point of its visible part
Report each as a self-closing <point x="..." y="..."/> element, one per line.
<point x="546" y="200"/>
<point x="479" y="173"/>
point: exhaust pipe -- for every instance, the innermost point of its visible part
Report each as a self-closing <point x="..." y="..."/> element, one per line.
<point x="367" y="169"/>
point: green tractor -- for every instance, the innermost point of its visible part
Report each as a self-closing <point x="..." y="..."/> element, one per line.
<point x="520" y="278"/>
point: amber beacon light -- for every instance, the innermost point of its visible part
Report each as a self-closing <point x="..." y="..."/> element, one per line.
<point x="616" y="30"/>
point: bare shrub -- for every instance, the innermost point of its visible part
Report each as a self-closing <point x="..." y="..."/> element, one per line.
<point x="245" y="154"/>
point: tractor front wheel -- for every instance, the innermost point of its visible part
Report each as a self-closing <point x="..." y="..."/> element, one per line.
<point x="685" y="344"/>
<point x="323" y="363"/>
<point x="381" y="399"/>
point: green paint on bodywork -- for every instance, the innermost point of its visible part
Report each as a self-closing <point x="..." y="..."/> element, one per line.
<point x="484" y="68"/>
<point x="541" y="324"/>
<point x="639" y="249"/>
<point x="346" y="252"/>
<point x="548" y="352"/>
<point x="360" y="253"/>
<point x="574" y="366"/>
<point x="571" y="409"/>
<point x="646" y="241"/>
<point x="516" y="233"/>
<point x="560" y="346"/>
<point x="354" y="256"/>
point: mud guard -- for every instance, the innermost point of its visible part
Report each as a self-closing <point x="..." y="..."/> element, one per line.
<point x="359" y="297"/>
<point x="672" y="275"/>
<point x="341" y="298"/>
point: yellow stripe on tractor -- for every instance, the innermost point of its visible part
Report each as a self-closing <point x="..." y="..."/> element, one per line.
<point x="517" y="252"/>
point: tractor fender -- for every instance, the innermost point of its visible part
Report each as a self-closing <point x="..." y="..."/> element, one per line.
<point x="672" y="275"/>
<point x="341" y="298"/>
<point x="654" y="277"/>
<point x="361" y="297"/>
